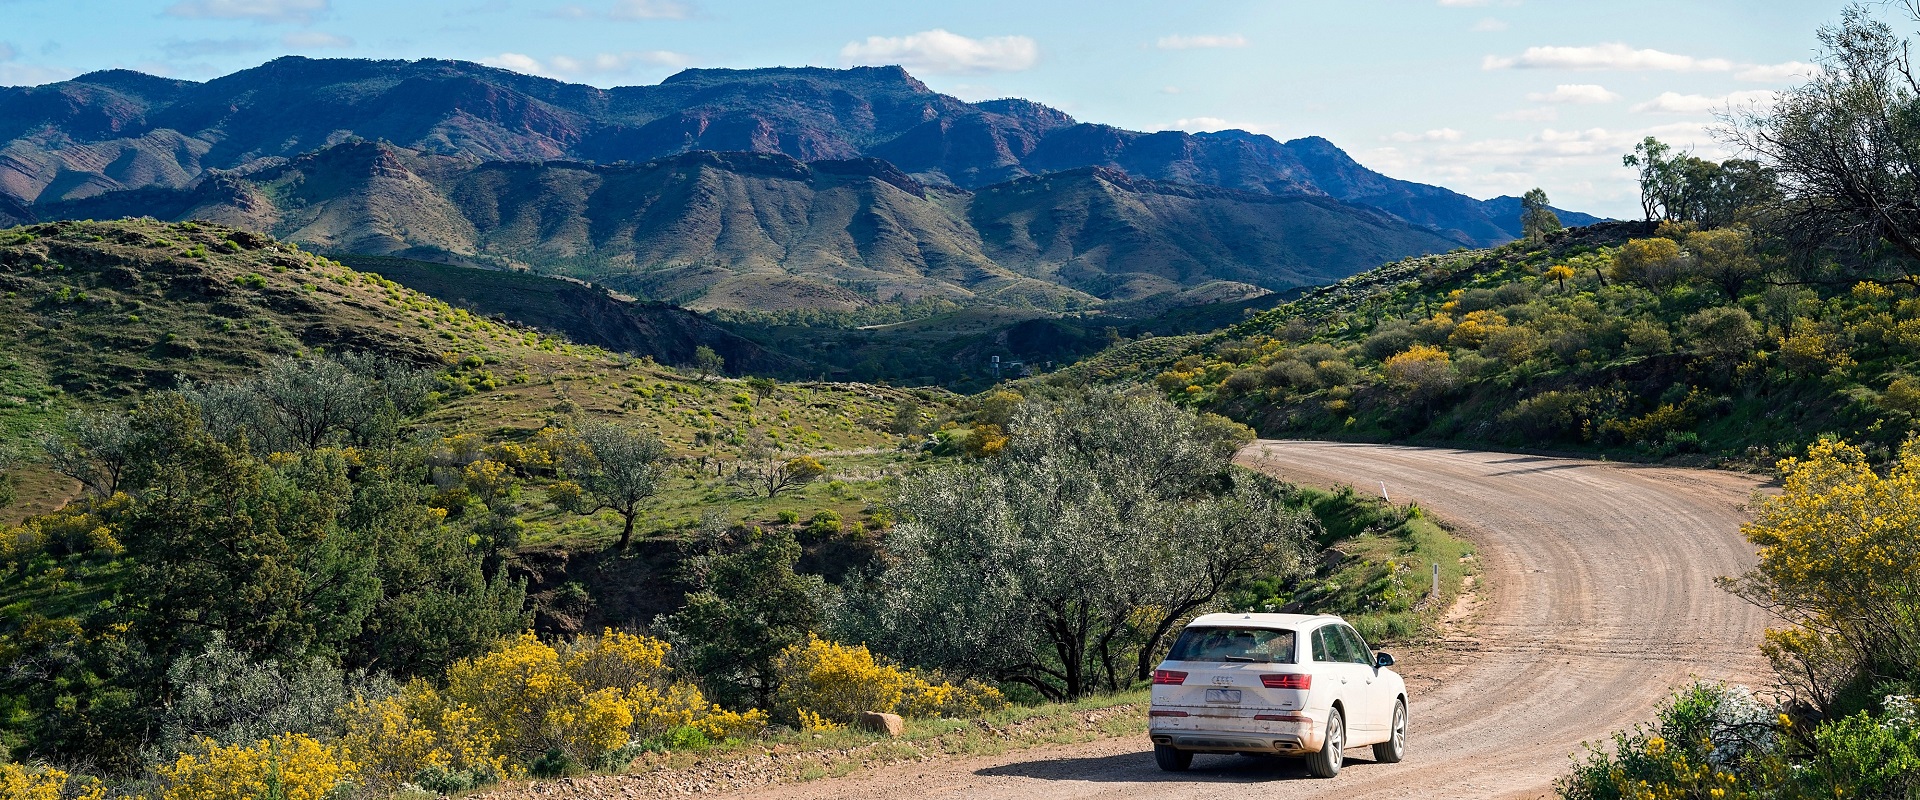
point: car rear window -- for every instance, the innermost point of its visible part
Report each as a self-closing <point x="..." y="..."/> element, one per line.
<point x="1251" y="645"/>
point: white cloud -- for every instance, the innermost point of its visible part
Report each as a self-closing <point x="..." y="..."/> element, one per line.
<point x="1775" y="73"/>
<point x="650" y="9"/>
<point x="596" y="65"/>
<point x="1201" y="41"/>
<point x="1612" y="55"/>
<point x="518" y="62"/>
<point x="1575" y="93"/>
<point x="629" y="10"/>
<point x="315" y="40"/>
<point x="1579" y="167"/>
<point x="299" y="11"/>
<point x="15" y="74"/>
<point x="1490" y="25"/>
<point x="939" y="51"/>
<point x="1436" y="135"/>
<point x="1676" y="103"/>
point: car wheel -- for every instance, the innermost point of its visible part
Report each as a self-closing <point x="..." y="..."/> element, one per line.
<point x="1326" y="763"/>
<point x="1172" y="759"/>
<point x="1395" y="748"/>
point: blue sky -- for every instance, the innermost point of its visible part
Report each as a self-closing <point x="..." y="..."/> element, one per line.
<point x="1487" y="97"/>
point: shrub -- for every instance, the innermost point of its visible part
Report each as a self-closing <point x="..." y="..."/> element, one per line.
<point x="1860" y="756"/>
<point x="1423" y="371"/>
<point x="527" y="699"/>
<point x="401" y="738"/>
<point x="822" y="683"/>
<point x="824" y="525"/>
<point x="222" y="696"/>
<point x="1710" y="740"/>
<point x="45" y="783"/>
<point x="286" y="767"/>
<point x="1836" y="562"/>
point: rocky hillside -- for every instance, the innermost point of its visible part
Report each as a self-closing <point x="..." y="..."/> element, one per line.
<point x="767" y="232"/>
<point x="118" y="130"/>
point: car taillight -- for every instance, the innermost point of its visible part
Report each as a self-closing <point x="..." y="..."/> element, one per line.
<point x="1286" y="681"/>
<point x="1167" y="677"/>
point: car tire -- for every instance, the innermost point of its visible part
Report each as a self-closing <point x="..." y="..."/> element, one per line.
<point x="1326" y="763"/>
<point x="1395" y="747"/>
<point x="1172" y="759"/>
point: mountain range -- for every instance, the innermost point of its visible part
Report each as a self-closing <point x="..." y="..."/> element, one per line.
<point x="763" y="231"/>
<point x="119" y="129"/>
<point x="748" y="189"/>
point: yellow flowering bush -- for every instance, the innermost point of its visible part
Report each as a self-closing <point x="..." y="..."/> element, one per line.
<point x="285" y="767"/>
<point x="395" y="738"/>
<point x="1840" y="558"/>
<point x="22" y="783"/>
<point x="584" y="698"/>
<point x="823" y="682"/>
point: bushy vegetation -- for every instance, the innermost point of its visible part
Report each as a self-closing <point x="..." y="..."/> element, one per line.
<point x="1837" y="568"/>
<point x="289" y="584"/>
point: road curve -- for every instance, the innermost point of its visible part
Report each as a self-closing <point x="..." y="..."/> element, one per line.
<point x="1596" y="597"/>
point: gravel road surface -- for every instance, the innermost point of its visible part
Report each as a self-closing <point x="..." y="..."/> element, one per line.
<point x="1595" y="598"/>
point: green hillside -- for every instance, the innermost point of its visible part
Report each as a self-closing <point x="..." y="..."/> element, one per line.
<point x="1621" y="338"/>
<point x="103" y="311"/>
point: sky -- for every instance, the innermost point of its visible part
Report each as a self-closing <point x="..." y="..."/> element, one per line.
<point x="1486" y="97"/>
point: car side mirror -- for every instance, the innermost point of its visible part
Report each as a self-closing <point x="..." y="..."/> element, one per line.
<point x="1382" y="660"/>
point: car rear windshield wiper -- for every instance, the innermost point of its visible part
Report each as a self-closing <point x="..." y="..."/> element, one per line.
<point x="1242" y="658"/>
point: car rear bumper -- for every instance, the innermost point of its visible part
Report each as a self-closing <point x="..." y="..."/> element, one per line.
<point x="1301" y="734"/>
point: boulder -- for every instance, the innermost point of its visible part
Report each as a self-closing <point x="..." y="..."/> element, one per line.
<point x="883" y="724"/>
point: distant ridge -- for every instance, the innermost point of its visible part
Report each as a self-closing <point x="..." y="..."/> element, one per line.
<point x="763" y="231"/>
<point x="119" y="130"/>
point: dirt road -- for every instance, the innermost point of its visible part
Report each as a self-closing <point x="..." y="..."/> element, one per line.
<point x="1596" y="596"/>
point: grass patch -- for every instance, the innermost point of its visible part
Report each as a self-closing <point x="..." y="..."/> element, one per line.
<point x="1375" y="569"/>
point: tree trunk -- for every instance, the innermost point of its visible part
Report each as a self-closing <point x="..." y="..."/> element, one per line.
<point x="626" y="533"/>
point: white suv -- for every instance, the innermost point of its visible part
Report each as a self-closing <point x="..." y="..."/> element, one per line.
<point x="1283" y="684"/>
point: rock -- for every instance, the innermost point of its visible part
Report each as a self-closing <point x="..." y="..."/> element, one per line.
<point x="883" y="724"/>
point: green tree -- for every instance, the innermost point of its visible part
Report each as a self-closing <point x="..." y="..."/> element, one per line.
<point x="1537" y="218"/>
<point x="1654" y="263"/>
<point x="1846" y="143"/>
<point x="1724" y="335"/>
<point x="750" y="606"/>
<point x="1681" y="187"/>
<point x="92" y="450"/>
<point x="762" y="387"/>
<point x="1065" y="562"/>
<point x="295" y="559"/>
<point x="707" y="362"/>
<point x="1724" y="257"/>
<point x="906" y="418"/>
<point x="619" y="468"/>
